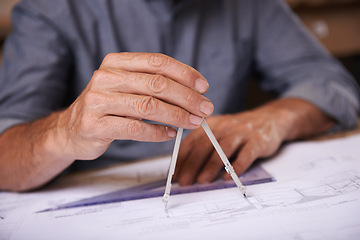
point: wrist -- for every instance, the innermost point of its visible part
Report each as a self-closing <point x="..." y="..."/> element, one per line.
<point x="54" y="140"/>
<point x="298" y="118"/>
<point x="39" y="159"/>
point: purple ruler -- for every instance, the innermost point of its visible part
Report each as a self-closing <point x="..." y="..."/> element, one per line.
<point x="254" y="175"/>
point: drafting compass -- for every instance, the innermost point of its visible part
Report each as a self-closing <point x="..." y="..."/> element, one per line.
<point x="229" y="169"/>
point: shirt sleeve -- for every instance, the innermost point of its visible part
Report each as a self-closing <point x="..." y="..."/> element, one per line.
<point x="293" y="64"/>
<point x="35" y="68"/>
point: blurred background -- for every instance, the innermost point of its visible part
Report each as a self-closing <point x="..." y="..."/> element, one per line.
<point x="336" y="23"/>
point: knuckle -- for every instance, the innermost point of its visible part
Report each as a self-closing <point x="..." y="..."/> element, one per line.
<point x="236" y="141"/>
<point x="158" y="60"/>
<point x="99" y="76"/>
<point x="191" y="98"/>
<point x="249" y="126"/>
<point x="89" y="123"/>
<point x="252" y="151"/>
<point x="109" y="58"/>
<point x="185" y="72"/>
<point x="135" y="128"/>
<point x="157" y="84"/>
<point x="178" y="115"/>
<point x="147" y="105"/>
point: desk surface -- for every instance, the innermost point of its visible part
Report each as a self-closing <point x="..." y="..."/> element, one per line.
<point x="316" y="196"/>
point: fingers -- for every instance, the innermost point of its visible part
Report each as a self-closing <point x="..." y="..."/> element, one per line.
<point x="133" y="129"/>
<point x="248" y="154"/>
<point x="153" y="85"/>
<point x="247" y="136"/>
<point x="143" y="107"/>
<point x="203" y="164"/>
<point x="129" y="87"/>
<point x="155" y="63"/>
<point x="192" y="165"/>
<point x="192" y="157"/>
<point x="229" y="145"/>
<point x="198" y="160"/>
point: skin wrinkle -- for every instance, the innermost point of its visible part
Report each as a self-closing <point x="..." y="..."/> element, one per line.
<point x="236" y="141"/>
<point x="190" y="98"/>
<point x="134" y="129"/>
<point x="159" y="62"/>
<point x="185" y="72"/>
<point x="157" y="84"/>
<point x="147" y="106"/>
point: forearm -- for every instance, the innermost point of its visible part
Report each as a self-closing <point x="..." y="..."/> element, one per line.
<point x="31" y="155"/>
<point x="300" y="119"/>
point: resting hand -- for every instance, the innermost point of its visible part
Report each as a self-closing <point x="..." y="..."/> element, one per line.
<point x="247" y="136"/>
<point x="127" y="88"/>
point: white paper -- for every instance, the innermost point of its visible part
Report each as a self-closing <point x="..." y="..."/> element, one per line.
<point x="316" y="196"/>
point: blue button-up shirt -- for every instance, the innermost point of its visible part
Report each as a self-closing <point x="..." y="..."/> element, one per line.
<point x="56" y="45"/>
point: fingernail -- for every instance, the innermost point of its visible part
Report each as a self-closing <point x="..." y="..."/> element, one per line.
<point x="171" y="132"/>
<point x="206" y="107"/>
<point x="201" y="85"/>
<point x="195" y="119"/>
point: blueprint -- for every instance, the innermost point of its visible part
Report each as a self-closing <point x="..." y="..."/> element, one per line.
<point x="316" y="195"/>
<point x="254" y="175"/>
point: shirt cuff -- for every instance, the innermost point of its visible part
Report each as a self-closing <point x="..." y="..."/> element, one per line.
<point x="333" y="99"/>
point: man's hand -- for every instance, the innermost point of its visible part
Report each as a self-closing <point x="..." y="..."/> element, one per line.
<point x="247" y="136"/>
<point x="129" y="87"/>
